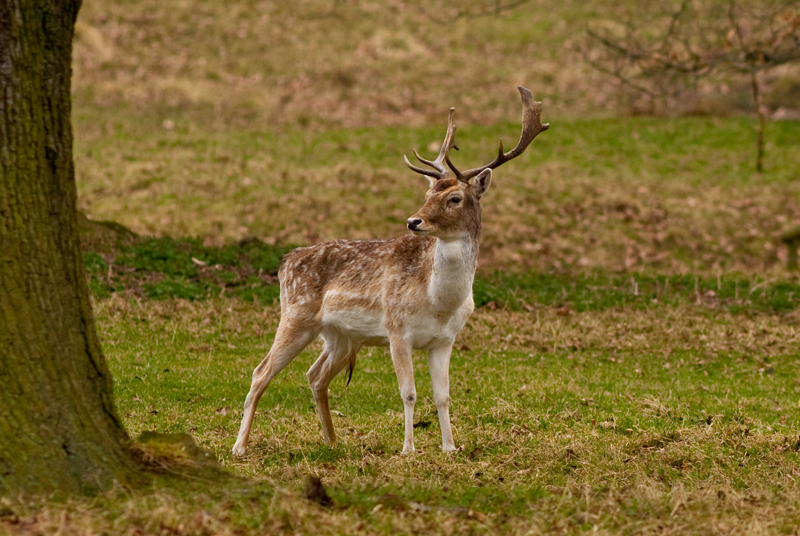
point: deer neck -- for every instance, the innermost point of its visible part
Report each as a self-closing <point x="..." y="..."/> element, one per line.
<point x="454" y="263"/>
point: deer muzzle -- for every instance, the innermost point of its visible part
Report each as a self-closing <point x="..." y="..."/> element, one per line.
<point x="417" y="225"/>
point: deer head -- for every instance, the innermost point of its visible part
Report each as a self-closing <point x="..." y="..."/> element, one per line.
<point x="452" y="204"/>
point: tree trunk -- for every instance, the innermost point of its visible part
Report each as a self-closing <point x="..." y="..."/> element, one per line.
<point x="756" y="91"/>
<point x="58" y="426"/>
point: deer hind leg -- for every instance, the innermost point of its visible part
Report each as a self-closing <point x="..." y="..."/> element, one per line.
<point x="337" y="353"/>
<point x="290" y="340"/>
<point x="439" y="365"/>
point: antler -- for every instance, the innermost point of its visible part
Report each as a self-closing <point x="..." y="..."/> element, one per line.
<point x="531" y="127"/>
<point x="438" y="164"/>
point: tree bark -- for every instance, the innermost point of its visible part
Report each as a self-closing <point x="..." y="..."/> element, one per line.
<point x="58" y="425"/>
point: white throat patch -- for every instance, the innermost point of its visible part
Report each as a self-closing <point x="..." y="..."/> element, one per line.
<point x="453" y="272"/>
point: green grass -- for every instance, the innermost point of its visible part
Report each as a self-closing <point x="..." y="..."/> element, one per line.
<point x="596" y="401"/>
<point x="578" y="402"/>
<point x="732" y="293"/>
<point x="162" y="268"/>
<point x="603" y="418"/>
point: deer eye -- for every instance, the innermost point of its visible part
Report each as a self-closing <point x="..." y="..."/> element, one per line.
<point x="455" y="200"/>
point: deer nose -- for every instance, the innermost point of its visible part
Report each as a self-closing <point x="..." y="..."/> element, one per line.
<point x="413" y="223"/>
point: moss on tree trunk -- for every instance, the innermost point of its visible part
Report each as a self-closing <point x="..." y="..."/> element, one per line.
<point x="58" y="426"/>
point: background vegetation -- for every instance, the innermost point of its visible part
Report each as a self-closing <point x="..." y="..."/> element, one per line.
<point x="289" y="122"/>
<point x="633" y="365"/>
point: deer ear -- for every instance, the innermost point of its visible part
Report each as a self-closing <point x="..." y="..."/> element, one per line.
<point x="481" y="183"/>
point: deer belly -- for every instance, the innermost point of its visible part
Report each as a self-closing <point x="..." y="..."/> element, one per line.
<point x="361" y="322"/>
<point x="356" y="326"/>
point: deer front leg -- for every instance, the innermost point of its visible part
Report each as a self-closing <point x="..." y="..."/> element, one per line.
<point x="404" y="369"/>
<point x="439" y="364"/>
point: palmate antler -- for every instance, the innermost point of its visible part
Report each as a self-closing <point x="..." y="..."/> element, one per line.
<point x="531" y="127"/>
<point x="438" y="164"/>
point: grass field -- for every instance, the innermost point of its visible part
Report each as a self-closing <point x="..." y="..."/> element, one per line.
<point x="665" y="418"/>
<point x="611" y="195"/>
<point x="632" y="367"/>
<point x="616" y="404"/>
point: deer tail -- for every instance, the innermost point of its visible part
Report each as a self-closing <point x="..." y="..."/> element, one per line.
<point x="351" y="366"/>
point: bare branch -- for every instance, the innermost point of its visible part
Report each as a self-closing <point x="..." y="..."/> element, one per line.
<point x="619" y="76"/>
<point x="466" y="14"/>
<point x="763" y="39"/>
<point x="700" y="38"/>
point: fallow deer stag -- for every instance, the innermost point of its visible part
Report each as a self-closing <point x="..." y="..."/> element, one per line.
<point x="413" y="292"/>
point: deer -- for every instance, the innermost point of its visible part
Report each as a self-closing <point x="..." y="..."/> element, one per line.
<point x="408" y="293"/>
